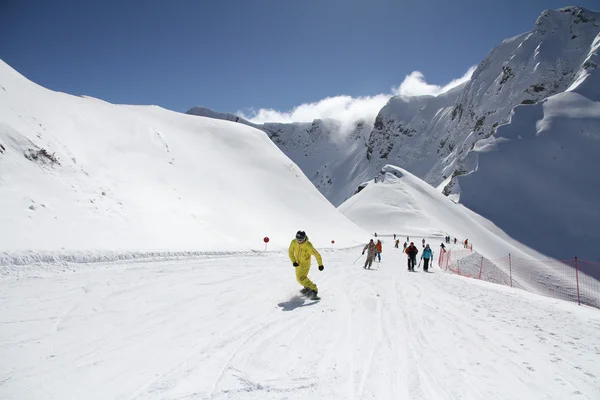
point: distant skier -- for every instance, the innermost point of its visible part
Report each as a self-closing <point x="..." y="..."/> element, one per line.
<point x="394" y="236"/>
<point x="371" y="249"/>
<point x="466" y="243"/>
<point x="407" y="239"/>
<point x="397" y="243"/>
<point x="379" y="250"/>
<point x="454" y="240"/>
<point x="423" y="241"/>
<point x="405" y="245"/>
<point x="375" y="234"/>
<point x="300" y="252"/>
<point x="412" y="252"/>
<point x="426" y="257"/>
<point x="443" y="247"/>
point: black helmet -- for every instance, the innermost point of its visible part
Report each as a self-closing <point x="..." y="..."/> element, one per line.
<point x="300" y="236"/>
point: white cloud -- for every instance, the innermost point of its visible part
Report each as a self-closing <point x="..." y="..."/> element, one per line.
<point x="349" y="109"/>
<point x="414" y="84"/>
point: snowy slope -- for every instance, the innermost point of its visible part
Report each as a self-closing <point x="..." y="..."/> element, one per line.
<point x="401" y="203"/>
<point x="433" y="139"/>
<point x="82" y="174"/>
<point x="201" y="330"/>
<point x="331" y="155"/>
<point x="538" y="178"/>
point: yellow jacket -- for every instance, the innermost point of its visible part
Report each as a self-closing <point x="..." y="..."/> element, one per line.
<point x="301" y="253"/>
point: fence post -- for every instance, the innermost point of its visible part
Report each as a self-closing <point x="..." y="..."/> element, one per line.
<point x="510" y="269"/>
<point x="480" y="268"/>
<point x="577" y="279"/>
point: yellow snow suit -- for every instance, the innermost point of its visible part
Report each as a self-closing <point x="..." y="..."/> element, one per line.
<point x="301" y="253"/>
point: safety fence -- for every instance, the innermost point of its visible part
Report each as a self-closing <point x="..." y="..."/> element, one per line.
<point x="573" y="280"/>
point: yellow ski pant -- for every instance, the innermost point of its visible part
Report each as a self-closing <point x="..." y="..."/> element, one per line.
<point x="302" y="277"/>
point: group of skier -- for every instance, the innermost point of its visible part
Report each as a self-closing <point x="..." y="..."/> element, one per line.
<point x="465" y="243"/>
<point x="374" y="249"/>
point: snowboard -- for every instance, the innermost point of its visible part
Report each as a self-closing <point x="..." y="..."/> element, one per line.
<point x="310" y="296"/>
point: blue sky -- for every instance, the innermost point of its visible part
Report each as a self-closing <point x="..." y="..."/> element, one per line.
<point x="242" y="55"/>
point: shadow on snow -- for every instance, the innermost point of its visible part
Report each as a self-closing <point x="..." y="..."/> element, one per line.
<point x="295" y="302"/>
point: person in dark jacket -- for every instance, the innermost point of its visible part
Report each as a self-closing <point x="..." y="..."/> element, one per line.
<point x="412" y="252"/>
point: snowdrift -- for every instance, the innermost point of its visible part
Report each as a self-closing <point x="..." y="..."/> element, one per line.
<point x="80" y="174"/>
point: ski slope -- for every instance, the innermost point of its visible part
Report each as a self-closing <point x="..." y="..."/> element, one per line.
<point x="234" y="328"/>
<point x="399" y="202"/>
<point x="80" y="177"/>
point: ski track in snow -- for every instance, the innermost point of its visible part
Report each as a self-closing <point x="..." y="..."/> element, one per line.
<point x="236" y="328"/>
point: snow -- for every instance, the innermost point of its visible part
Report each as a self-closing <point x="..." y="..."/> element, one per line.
<point x="234" y="327"/>
<point x="130" y="180"/>
<point x="400" y="203"/>
<point x="331" y="154"/>
<point x="539" y="180"/>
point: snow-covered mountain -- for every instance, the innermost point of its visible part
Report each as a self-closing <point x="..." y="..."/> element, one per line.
<point x="538" y="177"/>
<point x="432" y="136"/>
<point x="80" y="174"/>
<point x="331" y="155"/>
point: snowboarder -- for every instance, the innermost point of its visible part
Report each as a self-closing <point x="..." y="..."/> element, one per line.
<point x="372" y="249"/>
<point x="412" y="252"/>
<point x="397" y="243"/>
<point x="379" y="250"/>
<point x="426" y="257"/>
<point x="423" y="241"/>
<point x="300" y="252"/>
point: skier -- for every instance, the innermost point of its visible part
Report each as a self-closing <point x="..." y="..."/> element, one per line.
<point x="394" y="236"/>
<point x="454" y="240"/>
<point x="370" y="253"/>
<point x="407" y="239"/>
<point x="426" y="256"/>
<point x="375" y="234"/>
<point x="404" y="248"/>
<point x="379" y="250"/>
<point x="466" y="243"/>
<point x="300" y="252"/>
<point x="397" y="243"/>
<point x="412" y="252"/>
<point x="423" y="241"/>
<point x="443" y="247"/>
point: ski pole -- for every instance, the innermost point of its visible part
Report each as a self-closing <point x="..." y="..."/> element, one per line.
<point x="357" y="259"/>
